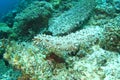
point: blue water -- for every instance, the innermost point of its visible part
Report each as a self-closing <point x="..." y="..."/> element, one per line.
<point x="7" y="5"/>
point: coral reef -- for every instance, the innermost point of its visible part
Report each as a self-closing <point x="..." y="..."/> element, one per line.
<point x="91" y="67"/>
<point x="83" y="52"/>
<point x="55" y="2"/>
<point x="24" y="3"/>
<point x="105" y="6"/>
<point x="8" y="73"/>
<point x="4" y="27"/>
<point x="72" y="19"/>
<point x="32" y="61"/>
<point x="31" y="19"/>
<point x="108" y="6"/>
<point x="67" y="55"/>
<point x="5" y="30"/>
<point x="29" y="60"/>
<point x="9" y="18"/>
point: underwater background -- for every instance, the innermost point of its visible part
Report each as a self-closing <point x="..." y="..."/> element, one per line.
<point x="6" y="6"/>
<point x="59" y="39"/>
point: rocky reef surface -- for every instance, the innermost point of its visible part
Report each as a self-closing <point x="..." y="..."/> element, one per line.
<point x="57" y="39"/>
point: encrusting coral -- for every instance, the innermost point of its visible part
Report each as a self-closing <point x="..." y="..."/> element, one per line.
<point x="72" y="19"/>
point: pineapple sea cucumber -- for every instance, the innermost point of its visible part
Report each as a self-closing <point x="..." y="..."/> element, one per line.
<point x="72" y="19"/>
